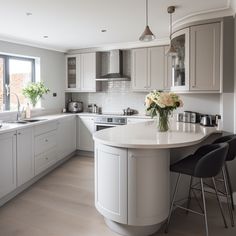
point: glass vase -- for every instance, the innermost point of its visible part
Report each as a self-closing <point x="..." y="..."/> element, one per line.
<point x="163" y="121"/>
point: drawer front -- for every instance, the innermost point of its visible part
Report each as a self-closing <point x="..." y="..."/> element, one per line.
<point x="45" y="128"/>
<point x="45" y="142"/>
<point x="45" y="160"/>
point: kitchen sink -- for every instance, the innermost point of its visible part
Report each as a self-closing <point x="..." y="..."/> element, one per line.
<point x="25" y="121"/>
<point x="17" y="122"/>
<point x="33" y="120"/>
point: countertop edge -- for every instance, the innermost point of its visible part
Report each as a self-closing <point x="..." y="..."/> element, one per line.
<point x="155" y="146"/>
<point x="11" y="127"/>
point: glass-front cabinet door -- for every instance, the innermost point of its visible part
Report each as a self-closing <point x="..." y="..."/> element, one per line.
<point x="72" y="71"/>
<point x="180" y="61"/>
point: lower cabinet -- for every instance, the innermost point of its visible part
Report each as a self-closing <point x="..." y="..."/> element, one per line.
<point x="132" y="185"/>
<point x="45" y="160"/>
<point x="66" y="136"/>
<point x="8" y="163"/>
<point x="30" y="151"/>
<point x="85" y="130"/>
<point x="111" y="182"/>
<point x="45" y="146"/>
<point x="148" y="186"/>
<point x="25" y="160"/>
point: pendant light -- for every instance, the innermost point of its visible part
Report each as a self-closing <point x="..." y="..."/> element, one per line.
<point x="172" y="51"/>
<point x="147" y="34"/>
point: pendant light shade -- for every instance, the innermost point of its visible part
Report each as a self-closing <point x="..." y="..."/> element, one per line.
<point x="147" y="34"/>
<point x="171" y="51"/>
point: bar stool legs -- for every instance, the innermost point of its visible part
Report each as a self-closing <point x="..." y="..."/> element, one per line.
<point x="172" y="203"/>
<point x="204" y="206"/>
<point x="219" y="202"/>
<point x="230" y="186"/>
<point x="204" y="210"/>
<point x="228" y="197"/>
<point x="189" y="193"/>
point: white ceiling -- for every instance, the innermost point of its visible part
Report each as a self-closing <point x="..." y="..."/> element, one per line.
<point x="73" y="24"/>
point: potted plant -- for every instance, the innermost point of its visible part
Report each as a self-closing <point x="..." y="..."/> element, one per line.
<point x="35" y="91"/>
<point x="162" y="104"/>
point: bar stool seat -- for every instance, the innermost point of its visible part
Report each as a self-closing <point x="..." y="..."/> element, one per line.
<point x="206" y="162"/>
<point x="186" y="166"/>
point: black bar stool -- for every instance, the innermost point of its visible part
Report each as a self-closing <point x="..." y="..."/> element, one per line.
<point x="206" y="162"/>
<point x="231" y="140"/>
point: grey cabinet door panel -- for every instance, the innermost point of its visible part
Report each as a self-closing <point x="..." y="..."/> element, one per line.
<point x="205" y="53"/>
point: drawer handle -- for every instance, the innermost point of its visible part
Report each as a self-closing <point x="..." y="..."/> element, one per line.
<point x="46" y="140"/>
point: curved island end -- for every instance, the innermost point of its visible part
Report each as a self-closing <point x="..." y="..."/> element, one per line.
<point x="132" y="177"/>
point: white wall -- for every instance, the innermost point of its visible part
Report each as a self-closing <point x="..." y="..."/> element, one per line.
<point x="52" y="71"/>
<point x="118" y="95"/>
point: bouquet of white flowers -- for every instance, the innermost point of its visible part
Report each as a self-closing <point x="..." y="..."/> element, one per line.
<point x="162" y="103"/>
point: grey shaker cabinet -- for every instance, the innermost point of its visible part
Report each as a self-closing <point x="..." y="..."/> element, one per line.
<point x="205" y="57"/>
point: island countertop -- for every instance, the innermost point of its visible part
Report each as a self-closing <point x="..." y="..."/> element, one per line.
<point x="146" y="136"/>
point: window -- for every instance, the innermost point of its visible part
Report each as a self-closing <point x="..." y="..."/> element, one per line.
<point x="16" y="72"/>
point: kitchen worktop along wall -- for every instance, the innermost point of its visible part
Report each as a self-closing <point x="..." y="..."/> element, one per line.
<point x="52" y="71"/>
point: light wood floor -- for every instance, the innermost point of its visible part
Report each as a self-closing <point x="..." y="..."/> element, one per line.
<point x="62" y="204"/>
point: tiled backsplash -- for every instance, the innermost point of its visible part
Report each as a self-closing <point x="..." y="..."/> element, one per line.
<point x="117" y="95"/>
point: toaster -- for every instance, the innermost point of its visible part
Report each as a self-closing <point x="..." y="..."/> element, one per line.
<point x="208" y="120"/>
<point x="191" y="117"/>
<point x="75" y="107"/>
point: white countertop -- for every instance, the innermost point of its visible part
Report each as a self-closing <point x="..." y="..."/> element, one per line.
<point x="139" y="116"/>
<point x="145" y="135"/>
<point x="9" y="127"/>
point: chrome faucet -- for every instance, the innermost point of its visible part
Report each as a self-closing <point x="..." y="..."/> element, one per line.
<point x="18" y="115"/>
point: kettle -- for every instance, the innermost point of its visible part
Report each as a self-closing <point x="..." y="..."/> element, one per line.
<point x="206" y="120"/>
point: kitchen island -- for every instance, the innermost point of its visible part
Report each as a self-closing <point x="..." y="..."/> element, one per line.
<point x="132" y="177"/>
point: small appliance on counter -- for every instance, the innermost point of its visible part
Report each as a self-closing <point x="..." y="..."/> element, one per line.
<point x="189" y="117"/>
<point x="75" y="107"/>
<point x="208" y="120"/>
<point x="129" y="112"/>
<point x="93" y="108"/>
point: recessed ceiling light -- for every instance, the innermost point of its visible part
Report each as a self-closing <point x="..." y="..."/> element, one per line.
<point x="45" y="36"/>
<point x="103" y="30"/>
<point x="29" y="13"/>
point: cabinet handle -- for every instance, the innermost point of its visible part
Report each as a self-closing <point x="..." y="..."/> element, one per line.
<point x="46" y="140"/>
<point x="46" y="158"/>
<point x="19" y="133"/>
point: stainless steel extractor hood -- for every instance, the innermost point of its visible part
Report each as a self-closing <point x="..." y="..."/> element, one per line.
<point x="115" y="67"/>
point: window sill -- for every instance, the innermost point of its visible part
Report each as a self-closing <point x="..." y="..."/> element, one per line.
<point x="32" y="109"/>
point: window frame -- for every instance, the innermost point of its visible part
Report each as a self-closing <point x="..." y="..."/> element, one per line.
<point x="6" y="74"/>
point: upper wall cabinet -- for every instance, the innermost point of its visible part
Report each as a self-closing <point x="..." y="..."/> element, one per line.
<point x="81" y="73"/>
<point x="180" y="62"/>
<point x="205" y="66"/>
<point x="197" y="65"/>
<point x="148" y="69"/>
